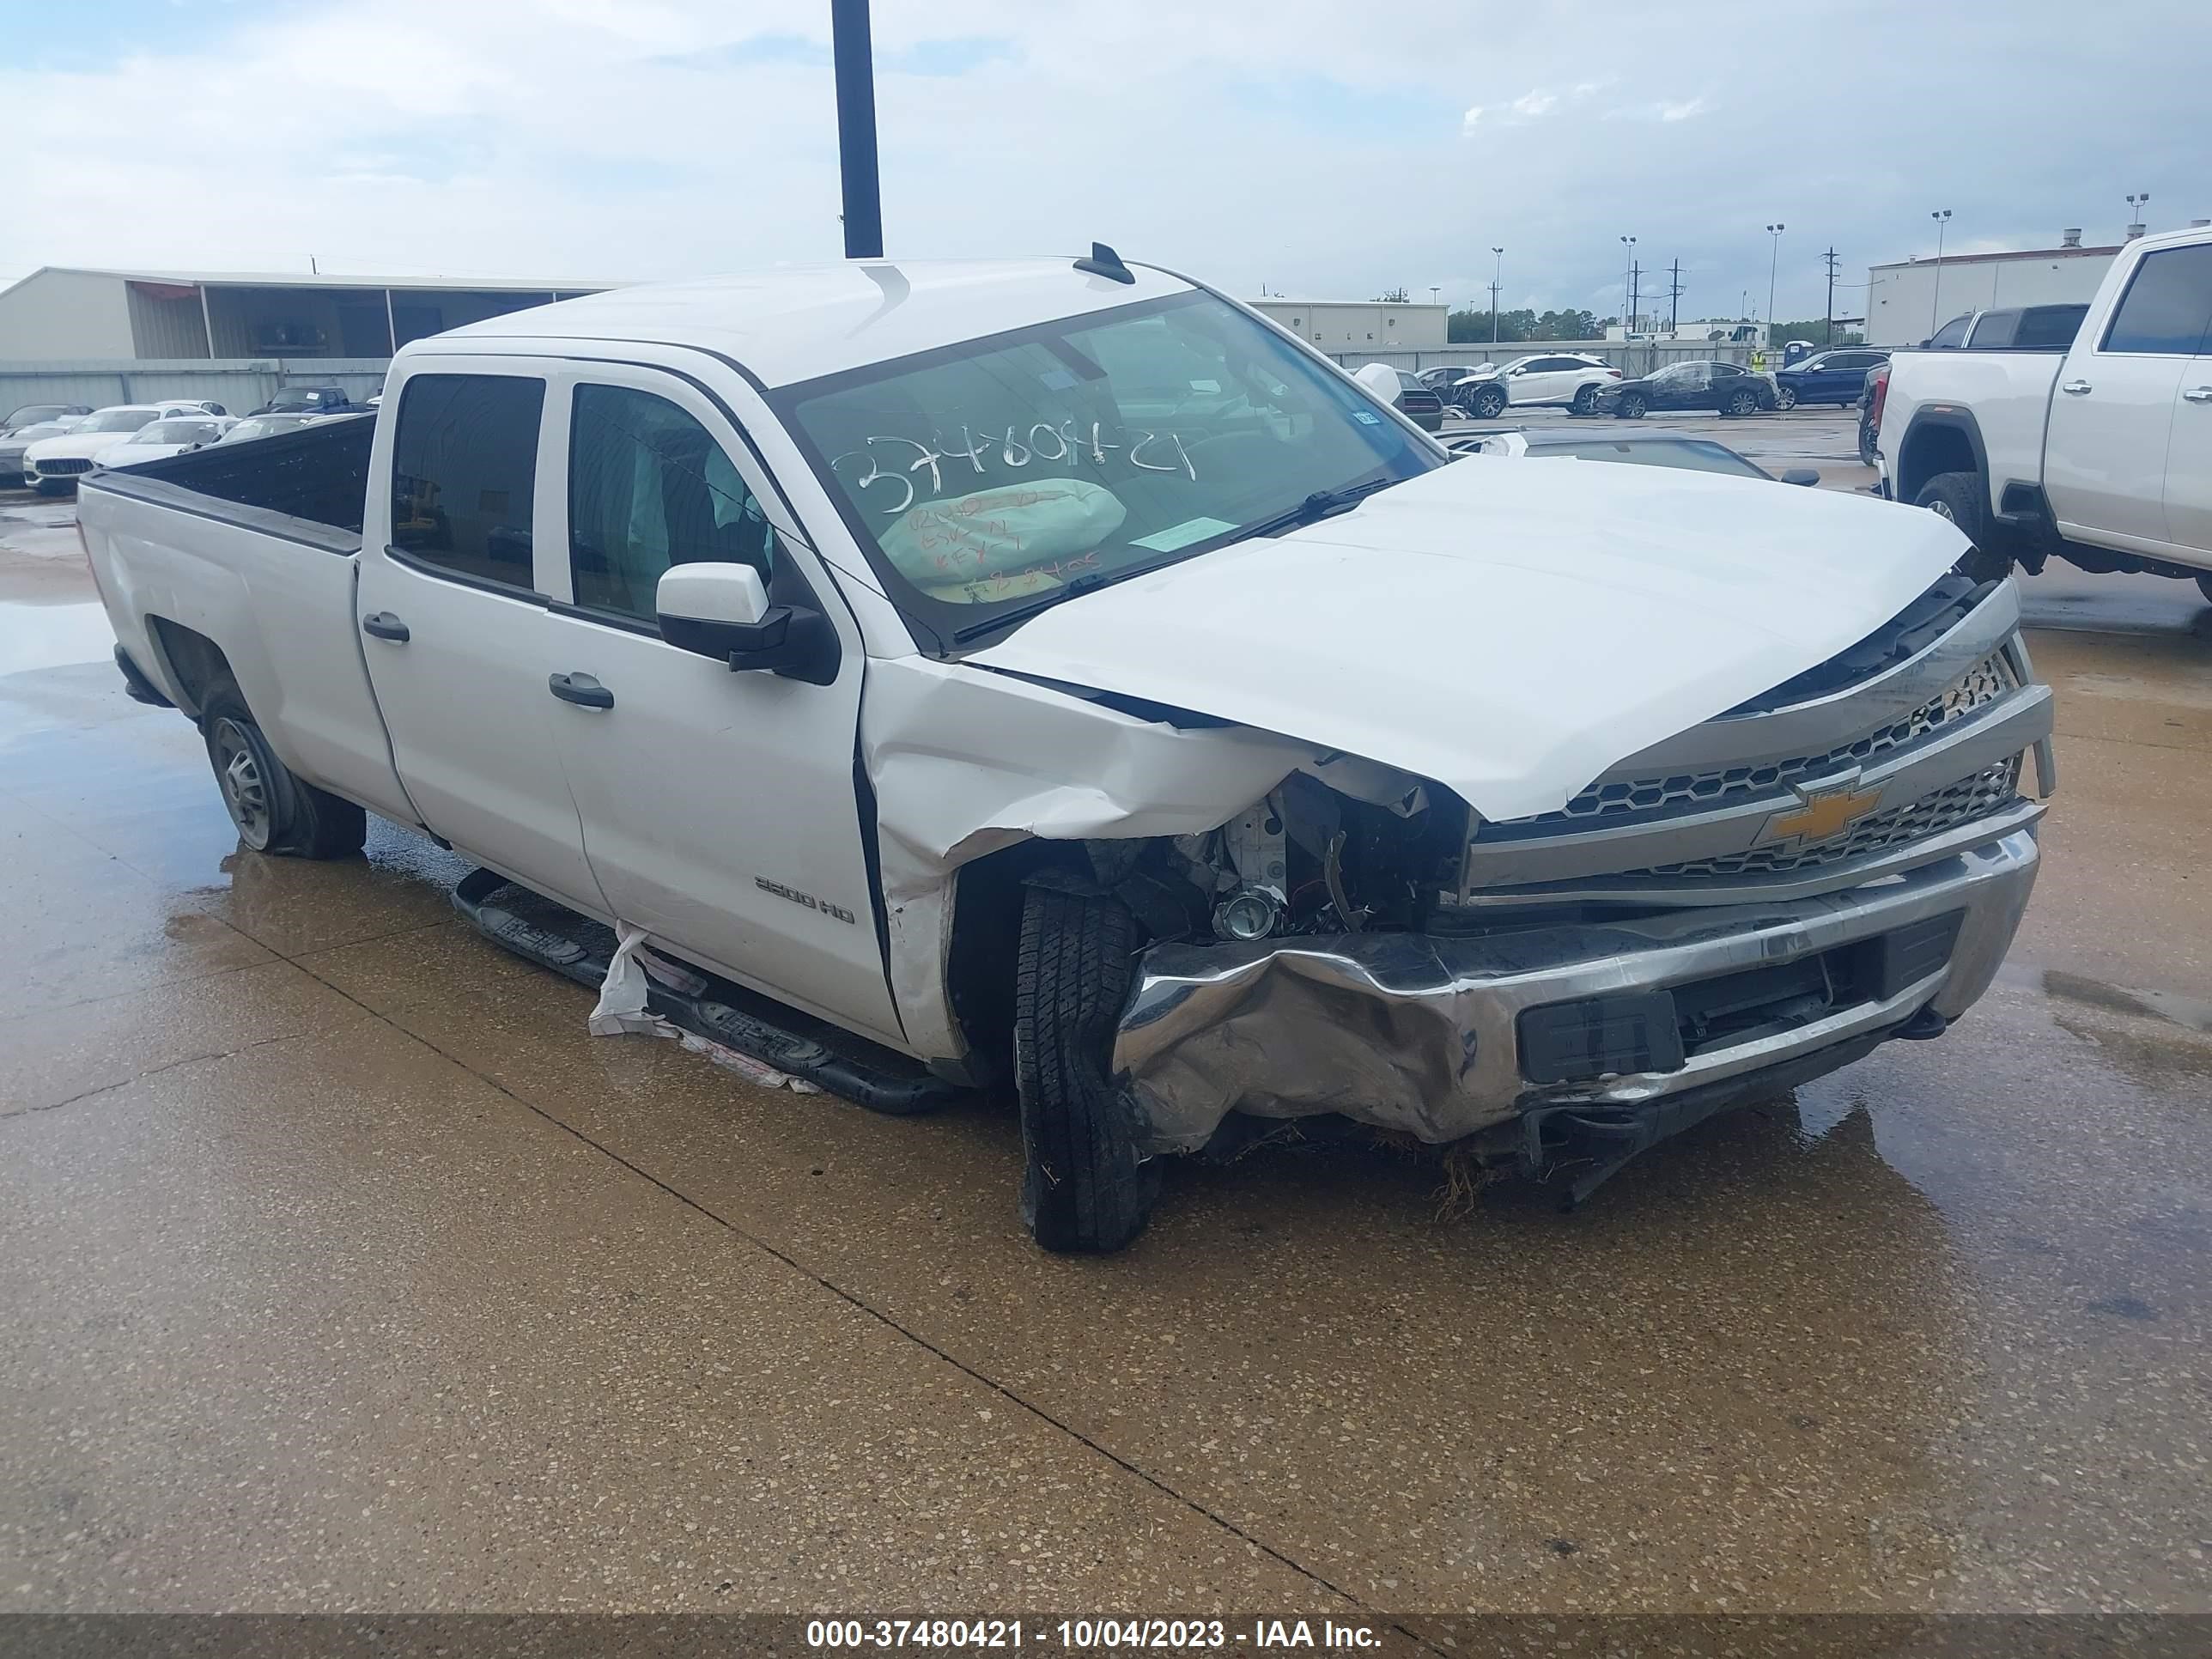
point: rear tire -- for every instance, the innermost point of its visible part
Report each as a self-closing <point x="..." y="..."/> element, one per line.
<point x="1084" y="1189"/>
<point x="1958" y="496"/>
<point x="1487" y="405"/>
<point x="1632" y="405"/>
<point x="276" y="811"/>
<point x="1741" y="403"/>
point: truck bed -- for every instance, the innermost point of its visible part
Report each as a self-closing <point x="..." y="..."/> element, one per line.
<point x="252" y="548"/>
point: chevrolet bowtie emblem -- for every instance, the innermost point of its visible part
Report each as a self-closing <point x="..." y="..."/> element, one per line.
<point x="1824" y="810"/>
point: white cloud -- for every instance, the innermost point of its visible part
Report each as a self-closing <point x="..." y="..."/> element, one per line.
<point x="1467" y="122"/>
<point x="1530" y="105"/>
<point x="1684" y="111"/>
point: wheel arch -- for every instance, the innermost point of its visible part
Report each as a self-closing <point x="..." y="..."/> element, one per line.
<point x="1942" y="440"/>
<point x="192" y="663"/>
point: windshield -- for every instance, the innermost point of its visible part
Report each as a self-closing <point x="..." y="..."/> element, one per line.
<point x="118" y="420"/>
<point x="1670" y="451"/>
<point x="985" y="478"/>
<point x="261" y="426"/>
<point x="35" y="415"/>
<point x="298" y="398"/>
<point x="177" y="432"/>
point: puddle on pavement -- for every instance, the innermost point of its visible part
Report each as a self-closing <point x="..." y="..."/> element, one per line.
<point x="34" y="636"/>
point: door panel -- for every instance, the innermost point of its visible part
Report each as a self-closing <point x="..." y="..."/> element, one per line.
<point x="2188" y="464"/>
<point x="720" y="810"/>
<point x="454" y="631"/>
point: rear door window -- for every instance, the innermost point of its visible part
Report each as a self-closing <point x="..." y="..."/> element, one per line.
<point x="1995" y="330"/>
<point x="2168" y="304"/>
<point x="1951" y="333"/>
<point x="464" y="468"/>
<point x="2047" y="327"/>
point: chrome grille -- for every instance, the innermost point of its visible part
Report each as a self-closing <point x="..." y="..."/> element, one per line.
<point x="1603" y="802"/>
<point x="1947" y="808"/>
<point x="65" y="464"/>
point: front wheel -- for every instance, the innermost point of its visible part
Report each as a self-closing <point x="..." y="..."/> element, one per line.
<point x="1085" y="1189"/>
<point x="1488" y="403"/>
<point x="1585" y="401"/>
<point x="1958" y="496"/>
<point x="1741" y="403"/>
<point x="1785" y="399"/>
<point x="1632" y="405"/>
<point x="275" y="810"/>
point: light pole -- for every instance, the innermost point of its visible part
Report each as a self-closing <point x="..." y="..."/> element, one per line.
<point x="854" y="59"/>
<point x="1942" y="218"/>
<point x="1496" y="270"/>
<point x="2135" y="204"/>
<point x="1773" y="264"/>
<point x="1627" y="298"/>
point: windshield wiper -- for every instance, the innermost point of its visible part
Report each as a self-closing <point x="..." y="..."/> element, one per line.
<point x="1322" y="504"/>
<point x="1088" y="582"/>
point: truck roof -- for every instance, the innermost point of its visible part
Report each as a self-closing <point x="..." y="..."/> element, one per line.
<point x="793" y="323"/>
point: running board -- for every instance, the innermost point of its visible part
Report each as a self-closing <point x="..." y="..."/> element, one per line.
<point x="578" y="948"/>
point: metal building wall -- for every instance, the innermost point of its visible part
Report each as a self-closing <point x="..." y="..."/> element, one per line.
<point x="70" y="313"/>
<point x="1904" y="298"/>
<point x="237" y="384"/>
<point x="166" y="328"/>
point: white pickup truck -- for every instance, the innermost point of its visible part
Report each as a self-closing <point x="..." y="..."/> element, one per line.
<point x="1050" y="675"/>
<point x="2099" y="454"/>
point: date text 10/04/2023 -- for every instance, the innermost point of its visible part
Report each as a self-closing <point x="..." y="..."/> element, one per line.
<point x="1088" y="1635"/>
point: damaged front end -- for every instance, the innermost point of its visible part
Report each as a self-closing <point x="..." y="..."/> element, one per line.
<point x="1752" y="903"/>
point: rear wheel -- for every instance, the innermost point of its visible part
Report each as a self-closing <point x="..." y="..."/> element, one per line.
<point x="1632" y="405"/>
<point x="1958" y="496"/>
<point x="1084" y="1189"/>
<point x="1743" y="401"/>
<point x="275" y="811"/>
<point x="1488" y="403"/>
<point x="1585" y="401"/>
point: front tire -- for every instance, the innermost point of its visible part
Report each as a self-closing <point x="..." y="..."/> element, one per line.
<point x="1785" y="399"/>
<point x="1084" y="1189"/>
<point x="1585" y="401"/>
<point x="1488" y="403"/>
<point x="276" y="810"/>
<point x="1958" y="496"/>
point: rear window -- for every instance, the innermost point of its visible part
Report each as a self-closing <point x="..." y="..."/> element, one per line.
<point x="2168" y="304"/>
<point x="2050" y="326"/>
<point x="1951" y="333"/>
<point x="463" y="466"/>
<point x="1995" y="331"/>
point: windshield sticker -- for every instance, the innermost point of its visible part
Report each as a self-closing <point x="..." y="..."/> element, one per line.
<point x="1205" y="386"/>
<point x="1057" y="380"/>
<point x="1366" y="419"/>
<point x="1183" y="534"/>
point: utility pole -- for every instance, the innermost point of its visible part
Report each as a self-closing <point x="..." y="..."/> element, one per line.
<point x="1828" y="325"/>
<point x="1496" y="270"/>
<point x="1675" y="297"/>
<point x="1635" y="292"/>
<point x="854" y="56"/>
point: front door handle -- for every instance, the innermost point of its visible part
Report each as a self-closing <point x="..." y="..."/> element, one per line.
<point x="2199" y="394"/>
<point x="581" y="690"/>
<point x="2075" y="388"/>
<point x="383" y="625"/>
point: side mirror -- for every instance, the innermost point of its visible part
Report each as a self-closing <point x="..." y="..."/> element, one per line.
<point x="722" y="610"/>
<point x="1800" y="475"/>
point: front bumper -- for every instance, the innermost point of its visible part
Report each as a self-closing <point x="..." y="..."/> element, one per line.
<point x="1424" y="1033"/>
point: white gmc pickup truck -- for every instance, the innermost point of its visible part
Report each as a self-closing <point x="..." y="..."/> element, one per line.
<point x="2100" y="454"/>
<point x="1051" y="675"/>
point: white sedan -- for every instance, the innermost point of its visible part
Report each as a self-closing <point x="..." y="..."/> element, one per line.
<point x="53" y="465"/>
<point x="177" y="434"/>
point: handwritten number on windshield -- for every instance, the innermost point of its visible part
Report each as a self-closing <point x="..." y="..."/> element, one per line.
<point x="1044" y="441"/>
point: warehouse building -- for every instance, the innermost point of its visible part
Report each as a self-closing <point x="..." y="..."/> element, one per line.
<point x="1909" y="300"/>
<point x="62" y="313"/>
<point x="1342" y="327"/>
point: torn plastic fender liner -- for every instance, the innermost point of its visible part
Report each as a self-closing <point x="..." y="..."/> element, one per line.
<point x="966" y="760"/>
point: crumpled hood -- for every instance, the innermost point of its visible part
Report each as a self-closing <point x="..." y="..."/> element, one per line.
<point x="1510" y="628"/>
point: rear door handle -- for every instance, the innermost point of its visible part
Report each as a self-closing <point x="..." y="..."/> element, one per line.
<point x="383" y="625"/>
<point x="2199" y="394"/>
<point x="581" y="690"/>
<point x="2075" y="388"/>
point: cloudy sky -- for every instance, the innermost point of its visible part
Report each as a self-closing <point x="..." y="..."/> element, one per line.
<point x="1322" y="148"/>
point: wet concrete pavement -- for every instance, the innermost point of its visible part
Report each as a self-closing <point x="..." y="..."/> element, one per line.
<point x="341" y="1269"/>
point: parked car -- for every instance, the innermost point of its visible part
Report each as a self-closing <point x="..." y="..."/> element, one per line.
<point x="1835" y="377"/>
<point x="39" y="414"/>
<point x="2098" y="451"/>
<point x="2019" y="328"/>
<point x="13" y="446"/>
<point x="1630" y="448"/>
<point x="1523" y="382"/>
<point x="1004" y="755"/>
<point x="1442" y="379"/>
<point x="308" y="400"/>
<point x="1701" y="384"/>
<point x="1415" y="401"/>
<point x="51" y="464"/>
<point x="265" y="426"/>
<point x="175" y="435"/>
